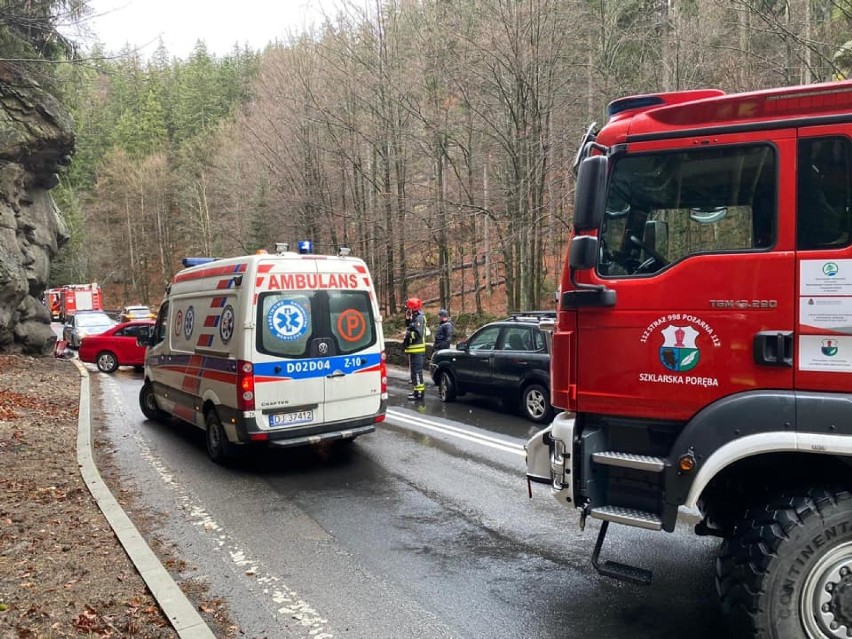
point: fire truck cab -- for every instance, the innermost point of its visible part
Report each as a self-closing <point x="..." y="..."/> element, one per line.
<point x="703" y="343"/>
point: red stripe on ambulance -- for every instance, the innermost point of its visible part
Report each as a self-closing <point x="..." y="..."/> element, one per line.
<point x="213" y="271"/>
<point x="204" y="340"/>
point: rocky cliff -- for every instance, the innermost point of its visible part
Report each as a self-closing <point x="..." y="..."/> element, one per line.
<point x="36" y="140"/>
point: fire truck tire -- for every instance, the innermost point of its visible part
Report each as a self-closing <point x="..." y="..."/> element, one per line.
<point x="107" y="362"/>
<point x="219" y="449"/>
<point x="535" y="404"/>
<point x="788" y="571"/>
<point x="148" y="404"/>
<point x="446" y="388"/>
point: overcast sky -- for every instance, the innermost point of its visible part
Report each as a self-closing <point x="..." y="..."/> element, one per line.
<point x="220" y="23"/>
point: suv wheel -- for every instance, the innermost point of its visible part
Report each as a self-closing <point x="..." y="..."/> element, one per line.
<point x="446" y="388"/>
<point x="535" y="404"/>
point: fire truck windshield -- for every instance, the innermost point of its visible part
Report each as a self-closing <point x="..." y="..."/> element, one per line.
<point x="663" y="207"/>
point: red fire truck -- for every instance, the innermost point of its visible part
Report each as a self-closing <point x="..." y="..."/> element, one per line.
<point x="703" y="343"/>
<point x="78" y="297"/>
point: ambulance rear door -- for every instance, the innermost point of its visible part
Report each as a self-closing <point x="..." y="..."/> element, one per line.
<point x="353" y="385"/>
<point x="318" y="342"/>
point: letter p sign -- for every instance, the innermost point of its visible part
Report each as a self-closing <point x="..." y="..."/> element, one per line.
<point x="351" y="325"/>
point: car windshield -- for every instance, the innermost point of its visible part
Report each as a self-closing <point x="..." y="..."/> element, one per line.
<point x="93" y="320"/>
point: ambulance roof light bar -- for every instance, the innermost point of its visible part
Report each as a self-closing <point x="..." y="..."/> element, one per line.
<point x="306" y="247"/>
<point x="344" y="251"/>
<point x="281" y="247"/>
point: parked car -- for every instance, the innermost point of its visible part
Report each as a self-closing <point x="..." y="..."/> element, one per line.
<point x="84" y="323"/>
<point x="507" y="359"/>
<point x="117" y="346"/>
<point x="130" y="313"/>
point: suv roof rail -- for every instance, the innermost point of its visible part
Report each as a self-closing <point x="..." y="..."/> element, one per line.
<point x="531" y="315"/>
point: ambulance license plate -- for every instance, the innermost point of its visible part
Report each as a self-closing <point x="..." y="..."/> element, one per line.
<point x="286" y="419"/>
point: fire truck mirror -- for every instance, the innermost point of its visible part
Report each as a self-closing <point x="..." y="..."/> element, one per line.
<point x="590" y="195"/>
<point x="584" y="251"/>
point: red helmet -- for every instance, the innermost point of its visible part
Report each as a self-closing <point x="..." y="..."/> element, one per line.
<point x="413" y="304"/>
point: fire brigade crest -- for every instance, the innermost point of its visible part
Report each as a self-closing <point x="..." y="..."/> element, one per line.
<point x="679" y="352"/>
<point x="829" y="347"/>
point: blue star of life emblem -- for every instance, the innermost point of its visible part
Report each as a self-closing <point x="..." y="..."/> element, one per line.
<point x="287" y="320"/>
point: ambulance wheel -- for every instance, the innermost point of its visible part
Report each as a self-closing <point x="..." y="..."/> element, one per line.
<point x="788" y="571"/>
<point x="106" y="362"/>
<point x="218" y="447"/>
<point x="446" y="388"/>
<point x="148" y="404"/>
<point x="535" y="404"/>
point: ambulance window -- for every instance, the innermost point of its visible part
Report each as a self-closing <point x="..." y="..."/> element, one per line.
<point x="162" y="326"/>
<point x="351" y="320"/>
<point x="285" y="323"/>
<point x="663" y="207"/>
<point x="824" y="193"/>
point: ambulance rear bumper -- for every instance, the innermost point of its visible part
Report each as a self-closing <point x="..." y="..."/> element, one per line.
<point x="349" y="433"/>
<point x="247" y="432"/>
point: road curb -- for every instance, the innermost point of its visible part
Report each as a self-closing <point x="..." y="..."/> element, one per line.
<point x="181" y="613"/>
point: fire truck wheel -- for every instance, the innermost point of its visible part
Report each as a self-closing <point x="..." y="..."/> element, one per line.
<point x="218" y="446"/>
<point x="535" y="404"/>
<point x="446" y="388"/>
<point x="106" y="362"/>
<point x="789" y="571"/>
<point x="148" y="404"/>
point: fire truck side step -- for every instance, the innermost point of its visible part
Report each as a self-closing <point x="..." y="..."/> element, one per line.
<point x="630" y="460"/>
<point x="628" y="517"/>
<point x="615" y="569"/>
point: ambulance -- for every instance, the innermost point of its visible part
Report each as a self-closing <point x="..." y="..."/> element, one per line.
<point x="276" y="350"/>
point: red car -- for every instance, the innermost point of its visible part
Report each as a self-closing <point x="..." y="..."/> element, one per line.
<point x="115" y="347"/>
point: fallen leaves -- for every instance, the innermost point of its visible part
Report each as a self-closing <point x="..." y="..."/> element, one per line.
<point x="63" y="573"/>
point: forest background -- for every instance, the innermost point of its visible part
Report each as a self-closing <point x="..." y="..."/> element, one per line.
<point x="435" y="138"/>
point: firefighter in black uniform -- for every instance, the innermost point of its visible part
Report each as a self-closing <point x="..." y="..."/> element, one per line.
<point x="415" y="345"/>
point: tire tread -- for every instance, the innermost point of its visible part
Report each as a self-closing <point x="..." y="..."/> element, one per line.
<point x="744" y="560"/>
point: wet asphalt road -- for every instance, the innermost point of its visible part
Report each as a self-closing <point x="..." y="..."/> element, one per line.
<point x="423" y="529"/>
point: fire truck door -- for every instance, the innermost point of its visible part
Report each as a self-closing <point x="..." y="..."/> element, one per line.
<point x="823" y="238"/>
<point x="695" y="246"/>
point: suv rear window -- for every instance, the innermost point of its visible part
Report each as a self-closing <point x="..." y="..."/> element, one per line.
<point x="293" y="324"/>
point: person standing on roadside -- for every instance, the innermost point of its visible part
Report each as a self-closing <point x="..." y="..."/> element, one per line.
<point x="444" y="332"/>
<point x="415" y="345"/>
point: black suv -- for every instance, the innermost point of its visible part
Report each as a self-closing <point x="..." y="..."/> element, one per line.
<point x="507" y="359"/>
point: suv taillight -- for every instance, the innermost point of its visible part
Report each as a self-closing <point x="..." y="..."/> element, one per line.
<point x="245" y="385"/>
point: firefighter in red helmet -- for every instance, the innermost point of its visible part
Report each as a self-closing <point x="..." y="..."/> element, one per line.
<point x="415" y="345"/>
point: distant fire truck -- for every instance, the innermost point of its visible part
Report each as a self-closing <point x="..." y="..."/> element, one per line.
<point x="703" y="343"/>
<point x="67" y="300"/>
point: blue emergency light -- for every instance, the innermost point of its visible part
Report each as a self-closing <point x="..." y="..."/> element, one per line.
<point x="197" y="261"/>
<point x="306" y="247"/>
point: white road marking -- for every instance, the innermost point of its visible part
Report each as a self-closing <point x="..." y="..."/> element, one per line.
<point x="295" y="608"/>
<point x="401" y="418"/>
